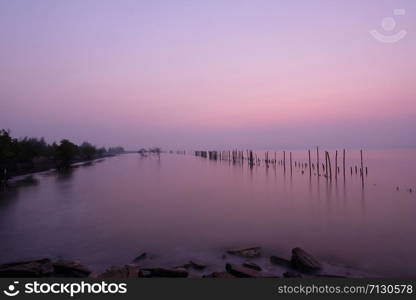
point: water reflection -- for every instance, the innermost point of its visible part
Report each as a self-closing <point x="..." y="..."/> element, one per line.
<point x="154" y="203"/>
<point x="64" y="174"/>
<point x="8" y="194"/>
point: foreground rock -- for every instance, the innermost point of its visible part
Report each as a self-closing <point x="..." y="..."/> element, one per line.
<point x="252" y="265"/>
<point x="219" y="275"/>
<point x="243" y="272"/>
<point x="303" y="261"/>
<point x="164" y="272"/>
<point x="34" y="268"/>
<point x="70" y="268"/>
<point x="140" y="257"/>
<point x="127" y="271"/>
<point x="330" y="276"/>
<point x="197" y="265"/>
<point x="292" y="275"/>
<point x="246" y="252"/>
<point x="283" y="262"/>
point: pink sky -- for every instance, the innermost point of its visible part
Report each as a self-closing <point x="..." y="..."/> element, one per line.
<point x="187" y="74"/>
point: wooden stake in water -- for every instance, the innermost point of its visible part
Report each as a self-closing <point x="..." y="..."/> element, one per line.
<point x="326" y="164"/>
<point x="284" y="161"/>
<point x="317" y="159"/>
<point x="251" y="159"/>
<point x="362" y="168"/>
<point x="336" y="164"/>
<point x="266" y="159"/>
<point x="310" y="169"/>
<point x="290" y="162"/>
<point x="329" y="166"/>
<point x="343" y="161"/>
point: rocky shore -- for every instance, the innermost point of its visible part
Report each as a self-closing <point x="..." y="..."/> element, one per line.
<point x="236" y="263"/>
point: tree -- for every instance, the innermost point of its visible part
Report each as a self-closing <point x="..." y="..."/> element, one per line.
<point x="65" y="153"/>
<point x="87" y="151"/>
<point x="116" y="150"/>
<point x="7" y="153"/>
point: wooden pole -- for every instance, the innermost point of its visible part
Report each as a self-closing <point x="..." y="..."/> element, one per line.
<point x="284" y="161"/>
<point x="329" y="165"/>
<point x="290" y="162"/>
<point x="317" y="159"/>
<point x="267" y="159"/>
<point x="251" y="159"/>
<point x="310" y="169"/>
<point x="336" y="164"/>
<point x="326" y="164"/>
<point x="343" y="162"/>
<point x="362" y="168"/>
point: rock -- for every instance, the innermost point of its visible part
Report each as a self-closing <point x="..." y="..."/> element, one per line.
<point x="240" y="271"/>
<point x="219" y="275"/>
<point x="145" y="273"/>
<point x="303" y="261"/>
<point x="184" y="266"/>
<point x="195" y="275"/>
<point x="292" y="275"/>
<point x="165" y="272"/>
<point x="330" y="276"/>
<point x="246" y="252"/>
<point x="280" y="261"/>
<point x="34" y="268"/>
<point x="197" y="265"/>
<point x="252" y="265"/>
<point x="70" y="268"/>
<point x="140" y="257"/>
<point x="127" y="271"/>
<point x="94" y="275"/>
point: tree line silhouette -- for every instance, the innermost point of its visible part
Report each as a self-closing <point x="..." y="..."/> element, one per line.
<point x="28" y="154"/>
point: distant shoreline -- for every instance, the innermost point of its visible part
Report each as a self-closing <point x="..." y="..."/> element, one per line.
<point x="23" y="176"/>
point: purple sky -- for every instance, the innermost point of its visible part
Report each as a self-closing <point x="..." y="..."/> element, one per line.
<point x="217" y="74"/>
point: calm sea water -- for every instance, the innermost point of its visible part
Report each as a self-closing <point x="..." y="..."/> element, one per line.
<point x="179" y="206"/>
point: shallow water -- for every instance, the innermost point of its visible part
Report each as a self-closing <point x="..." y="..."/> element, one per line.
<point x="180" y="206"/>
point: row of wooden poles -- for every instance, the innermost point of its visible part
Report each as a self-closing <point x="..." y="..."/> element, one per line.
<point x="239" y="156"/>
